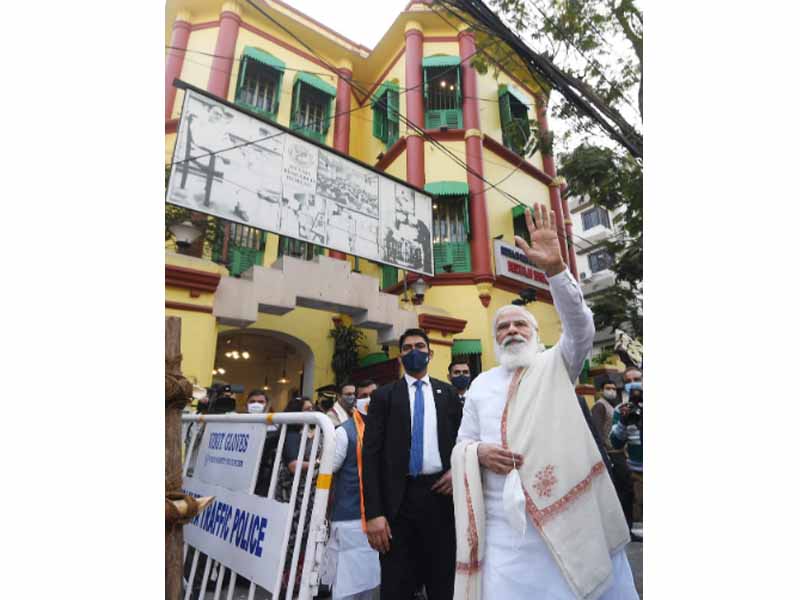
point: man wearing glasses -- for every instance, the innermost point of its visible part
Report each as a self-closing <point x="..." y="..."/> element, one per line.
<point x="410" y="432"/>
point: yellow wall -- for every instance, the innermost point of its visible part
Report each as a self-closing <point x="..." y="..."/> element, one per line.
<point x="312" y="326"/>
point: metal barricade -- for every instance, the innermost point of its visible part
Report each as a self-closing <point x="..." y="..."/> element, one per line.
<point x="313" y="428"/>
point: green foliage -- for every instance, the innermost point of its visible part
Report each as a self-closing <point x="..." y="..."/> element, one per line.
<point x="605" y="355"/>
<point x="613" y="180"/>
<point x="597" y="44"/>
<point x="347" y="340"/>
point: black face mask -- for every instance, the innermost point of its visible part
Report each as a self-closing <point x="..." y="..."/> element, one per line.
<point x="326" y="404"/>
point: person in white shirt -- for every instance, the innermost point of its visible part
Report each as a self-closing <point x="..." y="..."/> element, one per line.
<point x="523" y="558"/>
<point x="343" y="407"/>
<point x="357" y="569"/>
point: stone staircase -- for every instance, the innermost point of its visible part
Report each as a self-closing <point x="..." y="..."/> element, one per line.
<point x="323" y="283"/>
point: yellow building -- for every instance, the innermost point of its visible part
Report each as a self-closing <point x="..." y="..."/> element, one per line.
<point x="273" y="299"/>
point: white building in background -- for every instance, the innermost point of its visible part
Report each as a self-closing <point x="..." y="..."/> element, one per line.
<point x="591" y="227"/>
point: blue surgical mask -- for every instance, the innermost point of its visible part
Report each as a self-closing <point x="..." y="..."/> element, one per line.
<point x="460" y="382"/>
<point x="633" y="385"/>
<point x="415" y="361"/>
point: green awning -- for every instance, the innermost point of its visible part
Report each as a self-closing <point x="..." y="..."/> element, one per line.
<point x="466" y="347"/>
<point x="317" y="83"/>
<point x="386" y="85"/>
<point x="519" y="210"/>
<point x="511" y="90"/>
<point x="265" y="58"/>
<point x="447" y="188"/>
<point x="373" y="359"/>
<point x="441" y="61"/>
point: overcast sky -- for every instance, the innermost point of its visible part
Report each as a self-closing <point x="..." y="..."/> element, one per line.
<point x="362" y="22"/>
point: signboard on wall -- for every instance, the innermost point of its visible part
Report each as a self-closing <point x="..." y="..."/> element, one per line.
<point x="230" y="454"/>
<point x="511" y="262"/>
<point x="232" y="165"/>
<point x="242" y="531"/>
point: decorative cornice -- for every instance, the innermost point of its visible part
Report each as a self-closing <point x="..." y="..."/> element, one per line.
<point x="189" y="307"/>
<point x="231" y="7"/>
<point x="440" y="323"/>
<point x="440" y="38"/>
<point x="451" y="135"/>
<point x="194" y="280"/>
<point x="412" y="27"/>
<point x="515" y="159"/>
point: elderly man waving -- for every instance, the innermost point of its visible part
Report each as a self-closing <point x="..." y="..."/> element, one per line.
<point x="537" y="516"/>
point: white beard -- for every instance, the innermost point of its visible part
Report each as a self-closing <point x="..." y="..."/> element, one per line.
<point x="517" y="355"/>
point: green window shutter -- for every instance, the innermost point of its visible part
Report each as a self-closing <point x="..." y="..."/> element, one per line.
<point x="452" y="118"/>
<point x="505" y="114"/>
<point x="462" y="259"/>
<point x="425" y="84"/>
<point x="296" y="88"/>
<point x="240" y="82"/>
<point x="388" y="276"/>
<point x="458" y="86"/>
<point x="466" y="216"/>
<point x="393" y="106"/>
<point x="327" y="123"/>
<point x="277" y="102"/>
<point x="442" y="255"/>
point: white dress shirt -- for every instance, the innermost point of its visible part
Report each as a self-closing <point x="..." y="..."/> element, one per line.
<point x="340" y="450"/>
<point x="431" y="459"/>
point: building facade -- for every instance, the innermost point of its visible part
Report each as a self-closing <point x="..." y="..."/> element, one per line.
<point x="594" y="226"/>
<point x="275" y="299"/>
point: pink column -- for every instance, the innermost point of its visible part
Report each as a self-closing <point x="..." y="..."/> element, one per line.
<point x="341" y="126"/>
<point x="573" y="262"/>
<point x="222" y="66"/>
<point x="550" y="169"/>
<point x="415" y="107"/>
<point x="479" y="245"/>
<point x="180" y="39"/>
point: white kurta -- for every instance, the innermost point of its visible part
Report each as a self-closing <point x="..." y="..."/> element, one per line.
<point x="517" y="567"/>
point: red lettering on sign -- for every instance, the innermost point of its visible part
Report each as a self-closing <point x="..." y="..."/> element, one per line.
<point x="520" y="269"/>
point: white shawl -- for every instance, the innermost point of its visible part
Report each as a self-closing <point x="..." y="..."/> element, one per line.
<point x="569" y="495"/>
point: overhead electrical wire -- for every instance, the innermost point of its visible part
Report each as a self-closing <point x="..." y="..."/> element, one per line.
<point x="408" y="123"/>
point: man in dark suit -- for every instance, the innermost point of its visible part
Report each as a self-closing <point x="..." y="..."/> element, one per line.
<point x="411" y="428"/>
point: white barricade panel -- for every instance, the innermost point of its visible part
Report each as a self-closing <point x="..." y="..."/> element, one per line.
<point x="242" y="531"/>
<point x="274" y="538"/>
<point x="229" y="455"/>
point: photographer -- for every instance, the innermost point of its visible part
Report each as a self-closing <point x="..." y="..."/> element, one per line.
<point x="627" y="430"/>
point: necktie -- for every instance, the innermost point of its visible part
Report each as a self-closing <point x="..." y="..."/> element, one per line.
<point x="417" y="431"/>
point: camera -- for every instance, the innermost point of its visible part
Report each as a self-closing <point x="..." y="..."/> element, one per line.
<point x="635" y="413"/>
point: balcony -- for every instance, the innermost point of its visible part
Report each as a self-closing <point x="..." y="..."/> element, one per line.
<point x="597" y="234"/>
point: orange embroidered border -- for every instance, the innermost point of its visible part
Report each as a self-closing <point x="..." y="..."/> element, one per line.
<point x="539" y="517"/>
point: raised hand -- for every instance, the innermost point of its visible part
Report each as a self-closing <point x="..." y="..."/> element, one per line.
<point x="544" y="251"/>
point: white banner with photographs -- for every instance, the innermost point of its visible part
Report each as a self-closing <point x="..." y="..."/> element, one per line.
<point x="231" y="165"/>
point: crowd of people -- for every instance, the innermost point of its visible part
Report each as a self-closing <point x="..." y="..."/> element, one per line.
<point x="501" y="487"/>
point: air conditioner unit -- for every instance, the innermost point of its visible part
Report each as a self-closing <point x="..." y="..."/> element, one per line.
<point x="584" y="277"/>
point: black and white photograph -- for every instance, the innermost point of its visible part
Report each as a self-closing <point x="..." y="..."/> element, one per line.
<point x="236" y="167"/>
<point x="351" y="232"/>
<point x="348" y="184"/>
<point x="406" y="236"/>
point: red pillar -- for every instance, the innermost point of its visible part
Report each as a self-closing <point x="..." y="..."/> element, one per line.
<point x="415" y="108"/>
<point x="341" y="126"/>
<point x="550" y="169"/>
<point x="222" y="66"/>
<point x="479" y="244"/>
<point x="179" y="40"/>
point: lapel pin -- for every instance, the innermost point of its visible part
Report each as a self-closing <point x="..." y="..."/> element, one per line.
<point x="439" y="391"/>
